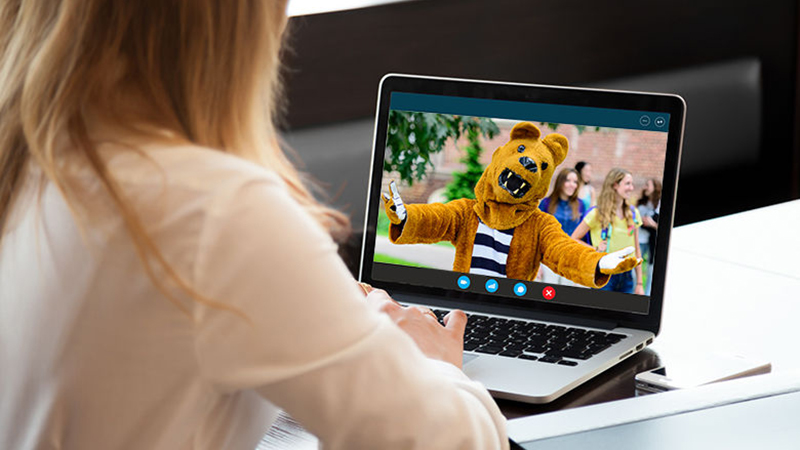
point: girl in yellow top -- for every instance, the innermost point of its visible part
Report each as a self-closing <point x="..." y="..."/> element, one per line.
<point x="614" y="225"/>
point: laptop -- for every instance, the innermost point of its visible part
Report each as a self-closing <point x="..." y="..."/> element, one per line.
<point x="534" y="332"/>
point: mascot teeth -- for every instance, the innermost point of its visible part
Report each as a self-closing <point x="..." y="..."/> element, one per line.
<point x="513" y="183"/>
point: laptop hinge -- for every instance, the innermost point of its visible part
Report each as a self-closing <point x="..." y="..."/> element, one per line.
<point x="505" y="310"/>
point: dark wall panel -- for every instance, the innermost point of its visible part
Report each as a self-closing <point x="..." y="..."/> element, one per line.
<point x="337" y="59"/>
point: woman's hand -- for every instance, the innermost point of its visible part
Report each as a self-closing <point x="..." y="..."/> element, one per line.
<point x="648" y="222"/>
<point x="445" y="343"/>
<point x="639" y="290"/>
<point x="367" y="288"/>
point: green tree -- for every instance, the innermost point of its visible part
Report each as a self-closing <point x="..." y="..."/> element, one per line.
<point x="463" y="184"/>
<point x="413" y="138"/>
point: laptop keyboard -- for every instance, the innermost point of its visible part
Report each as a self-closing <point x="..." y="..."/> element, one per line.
<point x="553" y="344"/>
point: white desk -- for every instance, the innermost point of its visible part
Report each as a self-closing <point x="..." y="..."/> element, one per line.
<point x="733" y="284"/>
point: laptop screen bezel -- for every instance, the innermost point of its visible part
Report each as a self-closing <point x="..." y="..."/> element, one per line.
<point x="573" y="96"/>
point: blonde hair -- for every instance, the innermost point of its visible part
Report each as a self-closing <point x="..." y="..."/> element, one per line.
<point x="206" y="71"/>
<point x="608" y="196"/>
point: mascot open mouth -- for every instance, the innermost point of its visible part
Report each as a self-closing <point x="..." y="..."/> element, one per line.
<point x="513" y="183"/>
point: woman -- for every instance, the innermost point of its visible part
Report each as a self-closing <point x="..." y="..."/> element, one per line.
<point x="614" y="225"/>
<point x="648" y="201"/>
<point x="563" y="203"/>
<point x="166" y="281"/>
<point x="586" y="192"/>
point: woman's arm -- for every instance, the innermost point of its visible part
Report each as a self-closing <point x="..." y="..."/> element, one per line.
<point x="639" y="281"/>
<point x="311" y="344"/>
<point x="649" y="222"/>
<point x="580" y="232"/>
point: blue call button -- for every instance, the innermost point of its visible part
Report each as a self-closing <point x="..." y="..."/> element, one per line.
<point x="491" y="285"/>
<point x="463" y="281"/>
<point x="520" y="289"/>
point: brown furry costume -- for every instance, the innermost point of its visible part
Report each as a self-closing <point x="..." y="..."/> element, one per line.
<point x="507" y="196"/>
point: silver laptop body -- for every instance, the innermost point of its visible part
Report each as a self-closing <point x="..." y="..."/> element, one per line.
<point x="640" y="132"/>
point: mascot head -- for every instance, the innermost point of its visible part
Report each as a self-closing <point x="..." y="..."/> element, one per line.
<point x="518" y="176"/>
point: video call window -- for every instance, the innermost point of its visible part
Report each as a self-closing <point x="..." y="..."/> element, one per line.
<point x="438" y="158"/>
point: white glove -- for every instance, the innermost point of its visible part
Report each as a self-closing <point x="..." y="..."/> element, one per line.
<point x="396" y="201"/>
<point x="612" y="260"/>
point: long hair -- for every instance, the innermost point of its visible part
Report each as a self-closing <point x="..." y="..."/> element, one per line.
<point x="653" y="198"/>
<point x="579" y="168"/>
<point x="555" y="196"/>
<point x="206" y="71"/>
<point x="608" y="196"/>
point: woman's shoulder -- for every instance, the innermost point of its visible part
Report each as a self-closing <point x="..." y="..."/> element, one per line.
<point x="186" y="172"/>
<point x="183" y="165"/>
<point x="185" y="180"/>
<point x="645" y="207"/>
<point x="636" y="212"/>
<point x="544" y="204"/>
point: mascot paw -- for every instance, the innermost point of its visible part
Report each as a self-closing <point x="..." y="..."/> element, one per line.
<point x="619" y="262"/>
<point x="393" y="205"/>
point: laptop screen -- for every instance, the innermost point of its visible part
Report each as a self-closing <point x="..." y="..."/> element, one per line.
<point x="463" y="179"/>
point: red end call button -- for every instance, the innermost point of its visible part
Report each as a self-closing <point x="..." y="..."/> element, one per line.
<point x="549" y="293"/>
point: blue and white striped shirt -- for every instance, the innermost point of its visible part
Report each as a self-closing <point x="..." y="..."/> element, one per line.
<point x="490" y="252"/>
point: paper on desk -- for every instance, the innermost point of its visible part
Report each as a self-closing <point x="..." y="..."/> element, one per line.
<point x="287" y="434"/>
<point x="636" y="409"/>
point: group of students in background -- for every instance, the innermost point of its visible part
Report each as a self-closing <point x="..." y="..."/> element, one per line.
<point x="608" y="221"/>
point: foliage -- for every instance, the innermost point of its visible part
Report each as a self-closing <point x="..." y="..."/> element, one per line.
<point x="463" y="184"/>
<point x="381" y="258"/>
<point x="413" y="138"/>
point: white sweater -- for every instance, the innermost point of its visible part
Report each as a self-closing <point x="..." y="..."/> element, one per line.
<point x="93" y="356"/>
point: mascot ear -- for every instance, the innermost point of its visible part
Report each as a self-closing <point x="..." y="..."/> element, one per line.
<point x="558" y="146"/>
<point x="525" y="130"/>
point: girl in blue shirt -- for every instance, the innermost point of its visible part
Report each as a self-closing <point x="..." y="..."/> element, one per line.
<point x="563" y="203"/>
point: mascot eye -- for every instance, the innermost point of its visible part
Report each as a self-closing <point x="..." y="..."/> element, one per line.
<point x="544" y="166"/>
<point x="521" y="148"/>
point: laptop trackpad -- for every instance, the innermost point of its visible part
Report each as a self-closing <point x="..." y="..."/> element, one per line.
<point x="467" y="357"/>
